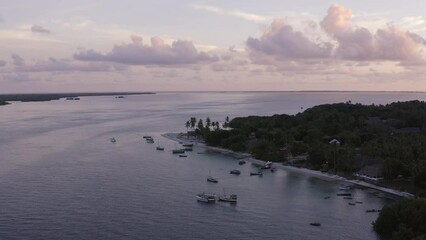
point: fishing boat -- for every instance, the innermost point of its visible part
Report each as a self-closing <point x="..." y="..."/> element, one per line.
<point x="160" y="148"/>
<point x="182" y="155"/>
<point x="352" y="204"/>
<point x="235" y="171"/>
<point x="206" y="197"/>
<point x="242" y="162"/>
<point x="113" y="140"/>
<point x="146" y="137"/>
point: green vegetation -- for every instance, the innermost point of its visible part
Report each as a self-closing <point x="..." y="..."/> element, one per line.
<point x="3" y="102"/>
<point x="404" y="220"/>
<point x="391" y="136"/>
<point x="55" y="96"/>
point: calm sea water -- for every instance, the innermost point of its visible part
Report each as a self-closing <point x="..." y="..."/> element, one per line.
<point x="61" y="177"/>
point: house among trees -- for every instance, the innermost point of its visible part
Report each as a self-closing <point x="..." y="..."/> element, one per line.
<point x="334" y="142"/>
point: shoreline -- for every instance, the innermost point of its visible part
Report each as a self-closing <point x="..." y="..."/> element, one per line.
<point x="318" y="174"/>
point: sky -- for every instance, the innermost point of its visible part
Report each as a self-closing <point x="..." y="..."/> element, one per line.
<point x="216" y="45"/>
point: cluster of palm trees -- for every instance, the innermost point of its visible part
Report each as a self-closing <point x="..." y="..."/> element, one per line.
<point x="200" y="126"/>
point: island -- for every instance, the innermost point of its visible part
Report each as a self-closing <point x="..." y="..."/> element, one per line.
<point x="381" y="144"/>
<point x="38" y="97"/>
<point x="384" y="145"/>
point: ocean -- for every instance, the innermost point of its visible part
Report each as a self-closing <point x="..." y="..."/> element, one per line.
<point x="62" y="178"/>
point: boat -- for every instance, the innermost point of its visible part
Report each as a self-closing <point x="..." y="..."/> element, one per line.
<point x="358" y="202"/>
<point x="212" y="179"/>
<point x="206" y="197"/>
<point x="146" y="137"/>
<point x="344" y="194"/>
<point x="119" y="97"/>
<point x="350" y="198"/>
<point x="273" y="169"/>
<point x="150" y="140"/>
<point x="187" y="149"/>
<point x="315" y="224"/>
<point x="188" y="145"/>
<point x="267" y="165"/>
<point x="256" y="174"/>
<point x="178" y="151"/>
<point x="371" y="210"/>
<point x="327" y="197"/>
<point x="352" y="204"/>
<point x="228" y="198"/>
<point x="160" y="148"/>
<point x="182" y="155"/>
<point x="113" y="140"/>
<point x="77" y="98"/>
<point x="242" y="162"/>
<point x="235" y="171"/>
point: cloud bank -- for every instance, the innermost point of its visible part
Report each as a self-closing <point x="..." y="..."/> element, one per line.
<point x="348" y="41"/>
<point x="158" y="53"/>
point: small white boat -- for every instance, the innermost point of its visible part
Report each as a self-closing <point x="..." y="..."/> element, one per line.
<point x="206" y="197"/>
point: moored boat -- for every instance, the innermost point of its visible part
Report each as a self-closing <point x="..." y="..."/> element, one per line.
<point x="188" y="144"/>
<point x="242" y="162"/>
<point x="182" y="155"/>
<point x="160" y="148"/>
<point x="206" y="197"/>
<point x="212" y="179"/>
<point x="235" y="171"/>
<point x="228" y="198"/>
<point x="256" y="174"/>
<point x="178" y="151"/>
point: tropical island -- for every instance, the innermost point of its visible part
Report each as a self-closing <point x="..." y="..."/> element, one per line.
<point x="39" y="97"/>
<point x="381" y="144"/>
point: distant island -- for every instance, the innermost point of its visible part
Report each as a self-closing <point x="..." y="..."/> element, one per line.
<point x="382" y="144"/>
<point x="38" y="97"/>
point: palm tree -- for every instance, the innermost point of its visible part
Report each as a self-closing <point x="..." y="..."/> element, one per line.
<point x="208" y="122"/>
<point x="193" y="121"/>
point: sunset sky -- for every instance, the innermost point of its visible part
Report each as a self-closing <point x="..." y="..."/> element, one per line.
<point x="217" y="45"/>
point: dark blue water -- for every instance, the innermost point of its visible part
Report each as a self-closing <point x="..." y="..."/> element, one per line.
<point x="61" y="177"/>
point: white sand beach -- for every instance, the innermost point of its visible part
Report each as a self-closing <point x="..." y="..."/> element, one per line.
<point x="180" y="137"/>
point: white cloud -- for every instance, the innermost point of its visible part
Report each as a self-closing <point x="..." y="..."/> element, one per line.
<point x="234" y="13"/>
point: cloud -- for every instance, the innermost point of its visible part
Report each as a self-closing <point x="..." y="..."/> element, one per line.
<point x="346" y="42"/>
<point x="2" y="63"/>
<point x="358" y="43"/>
<point x="158" y="53"/>
<point x="18" y="77"/>
<point x="284" y="43"/>
<point x="39" y="29"/>
<point x="235" y="13"/>
<point x="17" y="60"/>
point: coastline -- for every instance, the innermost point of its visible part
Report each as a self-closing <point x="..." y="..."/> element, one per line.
<point x="178" y="137"/>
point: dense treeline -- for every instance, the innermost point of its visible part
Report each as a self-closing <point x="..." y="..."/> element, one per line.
<point x="39" y="97"/>
<point x="3" y="102"/>
<point x="404" y="220"/>
<point x="392" y="134"/>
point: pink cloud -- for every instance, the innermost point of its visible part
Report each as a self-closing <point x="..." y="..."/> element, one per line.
<point x="283" y="42"/>
<point x="158" y="53"/>
<point x="358" y="43"/>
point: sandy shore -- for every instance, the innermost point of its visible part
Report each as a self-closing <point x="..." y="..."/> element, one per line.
<point x="318" y="174"/>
